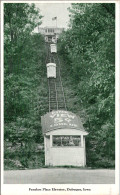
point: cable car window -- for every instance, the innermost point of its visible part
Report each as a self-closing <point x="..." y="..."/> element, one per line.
<point x="62" y="141"/>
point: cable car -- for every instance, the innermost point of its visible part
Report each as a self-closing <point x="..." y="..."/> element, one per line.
<point x="53" y="48"/>
<point x="51" y="70"/>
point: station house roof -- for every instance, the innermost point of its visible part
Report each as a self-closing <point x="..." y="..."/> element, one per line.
<point x="60" y="119"/>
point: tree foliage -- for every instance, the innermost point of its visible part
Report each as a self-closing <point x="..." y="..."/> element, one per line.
<point x="88" y="49"/>
<point x="20" y="19"/>
<point x="24" y="84"/>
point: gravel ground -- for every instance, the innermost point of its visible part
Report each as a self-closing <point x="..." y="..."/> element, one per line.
<point x="60" y="176"/>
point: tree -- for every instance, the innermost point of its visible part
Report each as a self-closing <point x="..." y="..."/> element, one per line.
<point x="20" y="19"/>
<point x="88" y="47"/>
<point x="24" y="80"/>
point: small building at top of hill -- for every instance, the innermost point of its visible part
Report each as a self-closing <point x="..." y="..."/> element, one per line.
<point x="64" y="139"/>
<point x="51" y="34"/>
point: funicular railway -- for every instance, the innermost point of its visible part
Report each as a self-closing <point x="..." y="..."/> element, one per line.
<point x="56" y="93"/>
<point x="64" y="134"/>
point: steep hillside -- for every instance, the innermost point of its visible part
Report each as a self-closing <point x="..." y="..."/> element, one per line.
<point x="88" y="51"/>
<point x="25" y="101"/>
<point x="25" y="92"/>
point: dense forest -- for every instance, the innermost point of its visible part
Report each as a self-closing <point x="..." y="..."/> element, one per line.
<point x="25" y="94"/>
<point x="87" y="54"/>
<point x="88" y="50"/>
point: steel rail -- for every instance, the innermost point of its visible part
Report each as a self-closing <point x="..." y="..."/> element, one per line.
<point x="61" y="82"/>
<point x="56" y="95"/>
<point x="55" y="91"/>
<point x="49" y="94"/>
<point x="53" y="60"/>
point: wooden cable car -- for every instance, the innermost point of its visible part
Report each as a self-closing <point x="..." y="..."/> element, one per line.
<point x="51" y="70"/>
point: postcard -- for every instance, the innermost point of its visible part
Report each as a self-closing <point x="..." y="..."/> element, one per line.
<point x="60" y="97"/>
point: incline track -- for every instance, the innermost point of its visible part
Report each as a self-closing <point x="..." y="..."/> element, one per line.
<point x="56" y="92"/>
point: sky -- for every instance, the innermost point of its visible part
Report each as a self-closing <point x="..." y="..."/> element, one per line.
<point x="51" y="10"/>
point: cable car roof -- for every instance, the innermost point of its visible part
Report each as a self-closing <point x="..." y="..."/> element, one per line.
<point x="51" y="64"/>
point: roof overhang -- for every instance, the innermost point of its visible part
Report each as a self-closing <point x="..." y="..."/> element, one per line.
<point x="61" y="119"/>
